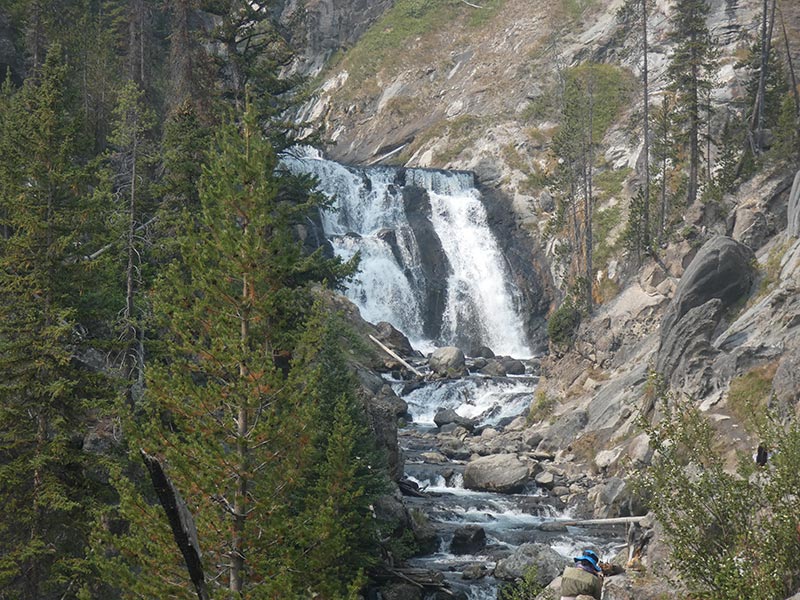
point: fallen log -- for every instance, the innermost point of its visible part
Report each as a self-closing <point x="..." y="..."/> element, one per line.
<point x="562" y="525"/>
<point x="395" y="356"/>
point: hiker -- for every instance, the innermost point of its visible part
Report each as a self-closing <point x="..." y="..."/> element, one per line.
<point x="585" y="577"/>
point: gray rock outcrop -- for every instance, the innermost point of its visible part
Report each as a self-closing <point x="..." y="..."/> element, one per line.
<point x="786" y="384"/>
<point x="503" y="473"/>
<point x="720" y="275"/>
<point x="565" y="429"/>
<point x="549" y="563"/>
<point x="448" y="362"/>
<point x="318" y="28"/>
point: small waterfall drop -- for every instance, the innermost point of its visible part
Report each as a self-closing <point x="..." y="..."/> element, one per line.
<point x="430" y="265"/>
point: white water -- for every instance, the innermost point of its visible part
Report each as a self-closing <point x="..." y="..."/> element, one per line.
<point x="481" y="304"/>
<point x="488" y="401"/>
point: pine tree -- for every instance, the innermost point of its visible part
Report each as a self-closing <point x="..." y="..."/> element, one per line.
<point x="691" y="71"/>
<point x="46" y="483"/>
<point x="236" y="432"/>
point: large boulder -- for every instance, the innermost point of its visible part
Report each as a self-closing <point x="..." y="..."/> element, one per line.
<point x="394" y="339"/>
<point x="448" y="362"/>
<point x="549" y="563"/>
<point x="446" y="416"/>
<point x="720" y="275"/>
<point x="470" y="539"/>
<point x="503" y="473"/>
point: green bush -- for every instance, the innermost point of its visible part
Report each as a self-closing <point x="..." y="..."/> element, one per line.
<point x="731" y="534"/>
<point x="563" y="323"/>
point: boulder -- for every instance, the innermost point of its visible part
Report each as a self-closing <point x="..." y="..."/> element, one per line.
<point x="549" y="563"/>
<point x="425" y="535"/>
<point x="468" y="540"/>
<point x="546" y="480"/>
<point x="401" y="591"/>
<point x="473" y="572"/>
<point x="446" y="416"/>
<point x="614" y="498"/>
<point x="494" y="368"/>
<point x="504" y="473"/>
<point x="512" y="366"/>
<point x="448" y="362"/>
<point x="394" y="339"/>
<point x="720" y="275"/>
<point x="483" y="352"/>
<point x="752" y="227"/>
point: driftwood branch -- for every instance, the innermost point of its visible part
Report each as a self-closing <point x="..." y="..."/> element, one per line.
<point x="107" y="247"/>
<point x="395" y="356"/>
<point x="471" y="4"/>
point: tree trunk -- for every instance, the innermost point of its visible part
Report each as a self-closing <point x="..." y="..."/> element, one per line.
<point x="792" y="74"/>
<point x="646" y="102"/>
<point x="758" y="111"/>
<point x="131" y="360"/>
<point x="694" y="128"/>
<point x="589" y="201"/>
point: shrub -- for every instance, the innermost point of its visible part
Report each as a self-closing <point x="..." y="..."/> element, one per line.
<point x="563" y="323"/>
<point x="731" y="534"/>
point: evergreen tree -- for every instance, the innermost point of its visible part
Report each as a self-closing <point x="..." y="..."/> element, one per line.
<point x="691" y="71"/>
<point x="233" y="419"/>
<point x="46" y="396"/>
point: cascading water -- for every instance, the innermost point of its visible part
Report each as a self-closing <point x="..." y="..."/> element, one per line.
<point x="437" y="275"/>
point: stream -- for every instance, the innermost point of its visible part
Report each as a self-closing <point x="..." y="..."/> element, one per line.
<point x="508" y="520"/>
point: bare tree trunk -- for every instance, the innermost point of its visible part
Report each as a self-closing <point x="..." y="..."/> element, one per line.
<point x="131" y="360"/>
<point x="646" y="102"/>
<point x="242" y="451"/>
<point x="665" y="137"/>
<point x="758" y="111"/>
<point x="589" y="201"/>
<point x="791" y="68"/>
<point x="694" y="130"/>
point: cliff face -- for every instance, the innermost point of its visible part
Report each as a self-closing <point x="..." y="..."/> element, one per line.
<point x="319" y="28"/>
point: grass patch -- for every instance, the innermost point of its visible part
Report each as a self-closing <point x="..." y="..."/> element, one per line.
<point x="605" y="248"/>
<point x="749" y="395"/>
<point x="575" y="8"/>
<point x="513" y="158"/>
<point x="542" y="407"/>
<point x="387" y="43"/>
<point x="460" y="132"/>
<point x="610" y="182"/>
<point x="609" y="87"/>
<point x="771" y="271"/>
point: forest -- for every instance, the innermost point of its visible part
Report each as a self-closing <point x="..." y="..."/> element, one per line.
<point x="156" y="303"/>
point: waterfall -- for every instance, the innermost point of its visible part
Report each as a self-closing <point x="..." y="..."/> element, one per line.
<point x="430" y="265"/>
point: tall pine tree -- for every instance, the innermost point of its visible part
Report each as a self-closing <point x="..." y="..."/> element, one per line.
<point x="691" y="71"/>
<point x="46" y="396"/>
